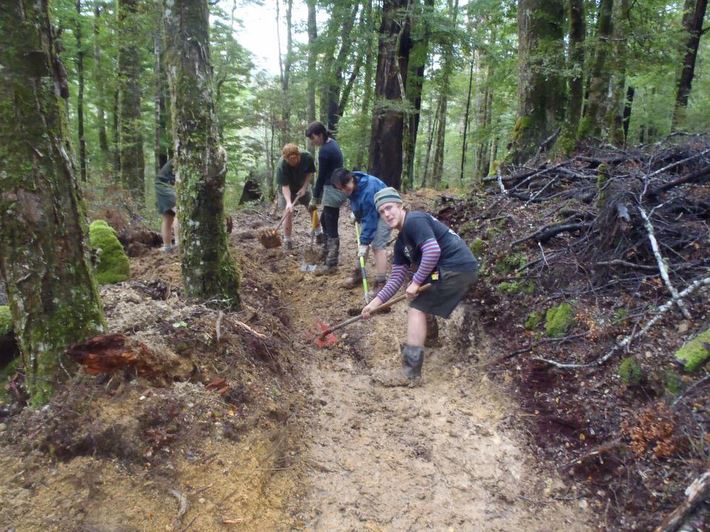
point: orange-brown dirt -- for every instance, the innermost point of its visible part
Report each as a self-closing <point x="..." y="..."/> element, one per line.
<point x="271" y="433"/>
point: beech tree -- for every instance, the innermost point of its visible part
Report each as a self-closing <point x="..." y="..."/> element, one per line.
<point x="390" y="104"/>
<point x="208" y="271"/>
<point x="43" y="259"/>
<point x="131" y="159"/>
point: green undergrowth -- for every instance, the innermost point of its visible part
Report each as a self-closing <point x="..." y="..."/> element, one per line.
<point x="695" y="353"/>
<point x="558" y="320"/>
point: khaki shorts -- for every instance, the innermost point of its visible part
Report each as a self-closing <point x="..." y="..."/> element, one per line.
<point x="382" y="235"/>
<point x="303" y="200"/>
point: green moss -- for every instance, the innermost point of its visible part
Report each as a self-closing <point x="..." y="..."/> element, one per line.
<point x="672" y="382"/>
<point x="534" y="320"/>
<point x="695" y="353"/>
<point x="5" y="374"/>
<point x="558" y="320"/>
<point x="112" y="265"/>
<point x="511" y="263"/>
<point x="5" y="320"/>
<point x="619" y="316"/>
<point x="630" y="371"/>
<point x="515" y="287"/>
<point x="478" y="247"/>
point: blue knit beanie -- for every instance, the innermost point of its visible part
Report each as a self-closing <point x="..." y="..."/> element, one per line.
<point x="387" y="195"/>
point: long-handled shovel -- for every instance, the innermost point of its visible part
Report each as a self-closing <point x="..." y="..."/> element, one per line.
<point x="325" y="336"/>
<point x="311" y="255"/>
<point x="363" y="273"/>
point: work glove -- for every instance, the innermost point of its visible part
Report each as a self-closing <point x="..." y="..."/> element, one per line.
<point x="353" y="219"/>
<point x="361" y="250"/>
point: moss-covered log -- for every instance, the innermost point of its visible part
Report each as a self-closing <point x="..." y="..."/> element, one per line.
<point x="207" y="268"/>
<point x="52" y="294"/>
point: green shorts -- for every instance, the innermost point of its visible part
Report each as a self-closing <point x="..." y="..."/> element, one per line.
<point x="443" y="296"/>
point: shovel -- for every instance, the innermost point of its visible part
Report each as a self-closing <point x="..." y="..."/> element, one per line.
<point x="363" y="273"/>
<point x="270" y="238"/>
<point x="324" y="333"/>
<point x="311" y="255"/>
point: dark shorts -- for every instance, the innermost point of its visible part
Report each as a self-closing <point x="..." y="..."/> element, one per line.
<point x="303" y="200"/>
<point x="443" y="296"/>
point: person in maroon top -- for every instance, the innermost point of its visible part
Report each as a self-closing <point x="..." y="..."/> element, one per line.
<point x="439" y="257"/>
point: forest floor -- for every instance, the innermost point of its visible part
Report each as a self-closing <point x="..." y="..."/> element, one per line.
<point x="244" y="424"/>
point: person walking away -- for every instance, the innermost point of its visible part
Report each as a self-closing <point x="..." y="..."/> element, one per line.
<point x="294" y="173"/>
<point x="165" y="201"/>
<point x="440" y="257"/>
<point x="329" y="158"/>
<point x="360" y="188"/>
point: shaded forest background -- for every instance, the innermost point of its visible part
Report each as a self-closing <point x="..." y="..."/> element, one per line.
<point x="476" y="77"/>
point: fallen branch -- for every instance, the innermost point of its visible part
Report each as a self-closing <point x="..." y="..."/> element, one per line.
<point x="546" y="233"/>
<point x="250" y="330"/>
<point x="689" y="389"/>
<point x="182" y="501"/>
<point x="627" y="340"/>
<point x="698" y="490"/>
<point x="661" y="263"/>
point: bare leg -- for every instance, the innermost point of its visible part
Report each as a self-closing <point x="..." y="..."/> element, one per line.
<point x="176" y="232"/>
<point x="416" y="327"/>
<point x="380" y="263"/>
<point x="288" y="225"/>
<point x="166" y="228"/>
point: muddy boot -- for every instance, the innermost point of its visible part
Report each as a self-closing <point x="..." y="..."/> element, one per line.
<point x="412" y="360"/>
<point x="331" y="258"/>
<point x="408" y="375"/>
<point x="354" y="280"/>
<point x="432" y="332"/>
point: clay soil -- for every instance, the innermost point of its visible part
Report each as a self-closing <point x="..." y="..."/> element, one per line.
<point x="258" y="429"/>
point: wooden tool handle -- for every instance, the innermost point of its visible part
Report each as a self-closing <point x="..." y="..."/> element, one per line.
<point x="382" y="307"/>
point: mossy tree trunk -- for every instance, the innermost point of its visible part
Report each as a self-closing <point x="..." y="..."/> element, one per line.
<point x="131" y="159"/>
<point x="541" y="88"/>
<point x="52" y="294"/>
<point x="389" y="110"/>
<point x="311" y="71"/>
<point x="577" y="37"/>
<point x="594" y="113"/>
<point x="208" y="270"/>
<point x="615" y="114"/>
<point x="99" y="87"/>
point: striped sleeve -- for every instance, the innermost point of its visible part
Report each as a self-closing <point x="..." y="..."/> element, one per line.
<point x="430" y="257"/>
<point x="397" y="276"/>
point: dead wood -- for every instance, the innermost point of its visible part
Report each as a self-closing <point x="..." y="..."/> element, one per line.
<point x="696" y="493"/>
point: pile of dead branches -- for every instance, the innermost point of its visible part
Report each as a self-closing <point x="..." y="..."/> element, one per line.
<point x="617" y="215"/>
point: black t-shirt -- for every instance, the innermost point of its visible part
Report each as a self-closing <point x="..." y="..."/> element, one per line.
<point x="419" y="227"/>
<point x="329" y="158"/>
<point x="292" y="176"/>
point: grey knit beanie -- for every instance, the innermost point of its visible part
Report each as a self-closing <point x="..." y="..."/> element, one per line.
<point x="386" y="195"/>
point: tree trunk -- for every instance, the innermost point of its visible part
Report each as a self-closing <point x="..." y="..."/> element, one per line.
<point x="615" y="115"/>
<point x="541" y="89"/>
<point x="484" y="125"/>
<point x="363" y="120"/>
<point x="433" y="117"/>
<point x="388" y="113"/>
<point x="594" y="113"/>
<point x="626" y="119"/>
<point x="577" y="37"/>
<point x="208" y="270"/>
<point x="100" y="87"/>
<point x="446" y="71"/>
<point x="421" y="34"/>
<point x="129" y="90"/>
<point x="311" y="80"/>
<point x="80" y="94"/>
<point x="161" y="142"/>
<point x="466" y="118"/>
<point x="693" y="25"/>
<point x="51" y="290"/>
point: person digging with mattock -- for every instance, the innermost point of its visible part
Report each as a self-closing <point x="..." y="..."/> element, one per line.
<point x="441" y="258"/>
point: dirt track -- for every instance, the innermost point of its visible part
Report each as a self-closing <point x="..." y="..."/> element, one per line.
<point x="444" y="455"/>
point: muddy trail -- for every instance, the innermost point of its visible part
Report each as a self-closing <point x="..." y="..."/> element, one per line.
<point x="262" y="430"/>
<point x="443" y="455"/>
